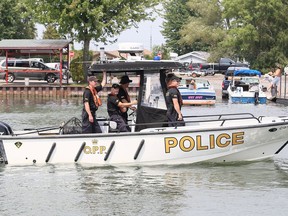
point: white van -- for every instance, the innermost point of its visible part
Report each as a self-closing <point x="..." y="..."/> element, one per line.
<point x="27" y="68"/>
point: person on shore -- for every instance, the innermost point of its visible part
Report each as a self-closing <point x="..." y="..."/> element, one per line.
<point x="174" y="101"/>
<point x="91" y="101"/>
<point x="114" y="106"/>
<point x="275" y="81"/>
<point x="124" y="97"/>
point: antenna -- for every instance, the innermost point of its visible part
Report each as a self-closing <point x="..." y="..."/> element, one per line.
<point x="151" y="37"/>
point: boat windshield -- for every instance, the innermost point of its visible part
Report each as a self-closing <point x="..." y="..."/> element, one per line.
<point x="152" y="94"/>
<point x="250" y="80"/>
<point x="194" y="83"/>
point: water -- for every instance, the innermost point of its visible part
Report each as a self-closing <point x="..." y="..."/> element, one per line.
<point x="258" y="188"/>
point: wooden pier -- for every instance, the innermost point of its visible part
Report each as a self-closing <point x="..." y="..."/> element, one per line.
<point x="51" y="90"/>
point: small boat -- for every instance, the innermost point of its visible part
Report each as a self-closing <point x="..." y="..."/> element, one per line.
<point x="205" y="138"/>
<point x="197" y="91"/>
<point x="245" y="87"/>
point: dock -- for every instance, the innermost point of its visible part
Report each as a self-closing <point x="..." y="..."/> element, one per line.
<point x="55" y="90"/>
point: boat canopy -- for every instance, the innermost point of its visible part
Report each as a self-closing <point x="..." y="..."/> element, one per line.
<point x="135" y="66"/>
<point x="247" y="72"/>
<point x="152" y="106"/>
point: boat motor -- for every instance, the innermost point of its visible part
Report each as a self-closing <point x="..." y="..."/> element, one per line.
<point x="5" y="129"/>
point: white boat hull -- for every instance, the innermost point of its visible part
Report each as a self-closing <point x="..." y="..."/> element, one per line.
<point x="240" y="140"/>
<point x="204" y="94"/>
<point x="240" y="96"/>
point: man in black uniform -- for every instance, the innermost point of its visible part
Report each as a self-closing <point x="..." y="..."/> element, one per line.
<point x="124" y="96"/>
<point x="174" y="101"/>
<point x="114" y="105"/>
<point x="91" y="101"/>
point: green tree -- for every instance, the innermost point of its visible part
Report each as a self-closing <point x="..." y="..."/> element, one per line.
<point x="258" y="30"/>
<point x="16" y="21"/>
<point x="206" y="26"/>
<point x="86" y="20"/>
<point x="76" y="66"/>
<point x="51" y="32"/>
<point x="162" y="50"/>
<point x="175" y="17"/>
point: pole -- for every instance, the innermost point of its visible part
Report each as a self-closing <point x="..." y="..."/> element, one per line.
<point x="6" y="66"/>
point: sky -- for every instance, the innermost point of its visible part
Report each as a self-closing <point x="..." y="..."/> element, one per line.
<point x="148" y="34"/>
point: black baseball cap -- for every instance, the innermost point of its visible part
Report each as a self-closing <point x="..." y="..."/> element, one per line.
<point x="115" y="85"/>
<point x="172" y="76"/>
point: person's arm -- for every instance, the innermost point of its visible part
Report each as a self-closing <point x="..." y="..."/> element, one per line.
<point x="177" y="108"/>
<point x="120" y="104"/>
<point x="103" y="83"/>
<point x="87" y="108"/>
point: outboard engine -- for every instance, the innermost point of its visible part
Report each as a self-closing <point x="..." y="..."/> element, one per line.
<point x="5" y="129"/>
<point x="256" y="97"/>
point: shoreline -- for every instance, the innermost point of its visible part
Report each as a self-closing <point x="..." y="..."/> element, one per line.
<point x="33" y="88"/>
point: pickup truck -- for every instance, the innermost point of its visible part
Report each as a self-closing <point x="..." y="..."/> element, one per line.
<point x="222" y="65"/>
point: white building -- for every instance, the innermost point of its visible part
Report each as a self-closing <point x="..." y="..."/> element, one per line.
<point x="131" y="51"/>
<point x="194" y="57"/>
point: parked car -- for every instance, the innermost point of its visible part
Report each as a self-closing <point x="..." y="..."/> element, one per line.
<point x="189" y="73"/>
<point x="198" y="73"/>
<point x="27" y="68"/>
<point x="194" y="66"/>
<point x="210" y="72"/>
<point x="56" y="65"/>
<point x="227" y="79"/>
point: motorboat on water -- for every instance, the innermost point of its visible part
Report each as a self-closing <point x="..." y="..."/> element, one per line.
<point x="245" y="87"/>
<point x="197" y="91"/>
<point x="209" y="138"/>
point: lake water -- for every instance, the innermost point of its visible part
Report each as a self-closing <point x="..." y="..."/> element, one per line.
<point x="258" y="188"/>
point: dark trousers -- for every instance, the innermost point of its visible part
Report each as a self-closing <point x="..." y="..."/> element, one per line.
<point x="121" y="124"/>
<point x="172" y="118"/>
<point x="90" y="127"/>
<point x="125" y="116"/>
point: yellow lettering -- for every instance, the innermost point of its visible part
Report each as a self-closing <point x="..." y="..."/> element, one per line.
<point x="199" y="144"/>
<point x="237" y="138"/>
<point x="94" y="149"/>
<point x="188" y="143"/>
<point x="102" y="149"/>
<point x="212" y="141"/>
<point x="219" y="140"/>
<point x="87" y="150"/>
<point x="170" y="142"/>
<point x="191" y="142"/>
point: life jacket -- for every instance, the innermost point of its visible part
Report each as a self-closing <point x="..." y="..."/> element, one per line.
<point x="96" y="98"/>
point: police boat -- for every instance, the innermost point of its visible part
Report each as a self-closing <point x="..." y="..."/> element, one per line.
<point x="207" y="138"/>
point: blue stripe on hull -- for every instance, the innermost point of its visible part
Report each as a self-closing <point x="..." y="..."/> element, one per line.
<point x="262" y="100"/>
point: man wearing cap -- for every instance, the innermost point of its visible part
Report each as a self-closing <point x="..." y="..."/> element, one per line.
<point x="91" y="101"/>
<point x="113" y="107"/>
<point x="124" y="96"/>
<point x="174" y="101"/>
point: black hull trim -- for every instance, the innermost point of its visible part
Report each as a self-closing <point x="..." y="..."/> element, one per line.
<point x="281" y="148"/>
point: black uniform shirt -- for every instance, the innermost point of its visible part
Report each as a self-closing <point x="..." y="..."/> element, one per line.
<point x="112" y="105"/>
<point x="170" y="94"/>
